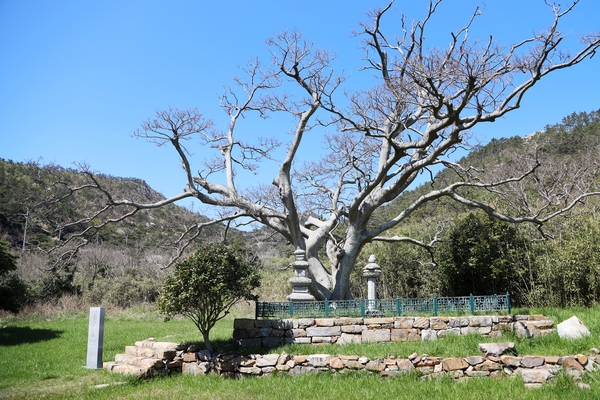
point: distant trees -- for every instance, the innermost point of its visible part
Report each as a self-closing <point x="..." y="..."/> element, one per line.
<point x="482" y="256"/>
<point x="205" y="285"/>
<point x="12" y="288"/>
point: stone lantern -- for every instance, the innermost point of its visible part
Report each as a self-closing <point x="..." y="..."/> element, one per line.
<point x="300" y="282"/>
<point x="372" y="271"/>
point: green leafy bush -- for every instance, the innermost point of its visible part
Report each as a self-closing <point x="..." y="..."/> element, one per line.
<point x="12" y="288"/>
<point x="204" y="286"/>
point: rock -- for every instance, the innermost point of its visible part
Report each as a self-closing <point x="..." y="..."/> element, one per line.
<point x="458" y="322"/>
<point x="268" y="360"/>
<point x="477" y="374"/>
<point x="405" y="365"/>
<point x="302" y="340"/>
<point x="190" y="357"/>
<point x="298" y="332"/>
<point x="511" y="361"/>
<point x="251" y="370"/>
<point x="552" y="360"/>
<point x="522" y="330"/>
<point x="476" y="321"/>
<point x="496" y="349"/>
<point x="300" y="359"/>
<point x="376" y="335"/>
<point x="421" y="323"/>
<point x="304" y="322"/>
<point x="449" y="332"/>
<point x="283" y="368"/>
<point x="453" y="364"/>
<point x="403" y="335"/>
<point x="283" y="358"/>
<point x="336" y="363"/>
<point x="270" y="341"/>
<point x="318" y="360"/>
<point x="353" y="364"/>
<point x="268" y="370"/>
<point x="192" y="368"/>
<point x="404" y="322"/>
<point x="582" y="359"/>
<point x="571" y="363"/>
<point x="488" y="365"/>
<point x="438" y="323"/>
<point x="474" y="360"/>
<point x="324" y="321"/>
<point x="323" y="339"/>
<point x="353" y="328"/>
<point x="378" y="321"/>
<point x="428" y="334"/>
<point x="243" y="323"/>
<point x="375" y="366"/>
<point x="572" y="328"/>
<point x="127" y="369"/>
<point x="348" y="321"/>
<point x="532" y="362"/>
<point x="538" y="375"/>
<point x="323" y="331"/>
<point x="347" y="338"/>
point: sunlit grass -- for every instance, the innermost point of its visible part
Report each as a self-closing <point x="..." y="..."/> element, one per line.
<point x="44" y="358"/>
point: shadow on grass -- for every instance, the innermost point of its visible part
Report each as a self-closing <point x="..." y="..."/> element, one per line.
<point x="14" y="336"/>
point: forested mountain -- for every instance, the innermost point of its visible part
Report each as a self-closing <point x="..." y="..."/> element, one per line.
<point x="23" y="198"/>
<point x="558" y="264"/>
<point x="122" y="263"/>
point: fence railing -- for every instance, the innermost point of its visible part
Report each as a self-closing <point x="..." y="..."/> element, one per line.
<point x="383" y="307"/>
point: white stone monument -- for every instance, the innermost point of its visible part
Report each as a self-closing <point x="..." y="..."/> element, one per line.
<point x="372" y="271"/>
<point x="95" y="338"/>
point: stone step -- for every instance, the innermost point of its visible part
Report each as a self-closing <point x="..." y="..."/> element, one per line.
<point x="144" y="362"/>
<point x="126" y="369"/>
<point x="167" y="353"/>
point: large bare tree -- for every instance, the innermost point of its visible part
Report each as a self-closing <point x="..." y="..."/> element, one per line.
<point x="422" y="107"/>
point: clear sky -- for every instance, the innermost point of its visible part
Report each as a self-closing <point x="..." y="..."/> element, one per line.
<point x="77" y="77"/>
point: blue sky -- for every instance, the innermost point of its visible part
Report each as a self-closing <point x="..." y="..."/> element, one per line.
<point x="78" y="77"/>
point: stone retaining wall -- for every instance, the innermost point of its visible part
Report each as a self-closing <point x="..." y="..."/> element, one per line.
<point x="148" y="358"/>
<point x="271" y="333"/>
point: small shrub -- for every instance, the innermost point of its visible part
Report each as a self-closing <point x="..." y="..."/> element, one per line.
<point x="204" y="286"/>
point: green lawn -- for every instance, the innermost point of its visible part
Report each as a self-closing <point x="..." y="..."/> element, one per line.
<point x="45" y="358"/>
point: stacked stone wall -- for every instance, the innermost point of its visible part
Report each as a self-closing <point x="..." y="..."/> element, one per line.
<point x="148" y="358"/>
<point x="271" y="333"/>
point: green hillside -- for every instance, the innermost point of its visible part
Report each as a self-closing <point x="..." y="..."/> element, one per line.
<point x="556" y="264"/>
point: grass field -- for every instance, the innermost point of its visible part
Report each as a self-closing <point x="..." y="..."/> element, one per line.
<point x="43" y="357"/>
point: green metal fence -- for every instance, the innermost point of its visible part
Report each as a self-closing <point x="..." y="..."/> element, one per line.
<point x="384" y="307"/>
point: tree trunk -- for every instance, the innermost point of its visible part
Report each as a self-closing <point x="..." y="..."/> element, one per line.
<point x="207" y="341"/>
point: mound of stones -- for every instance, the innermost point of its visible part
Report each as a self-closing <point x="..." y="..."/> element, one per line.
<point x="148" y="358"/>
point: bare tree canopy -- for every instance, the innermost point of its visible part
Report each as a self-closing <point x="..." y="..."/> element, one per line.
<point x="423" y="106"/>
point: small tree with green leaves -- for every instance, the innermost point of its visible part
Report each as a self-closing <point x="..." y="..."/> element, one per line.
<point x="207" y="284"/>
